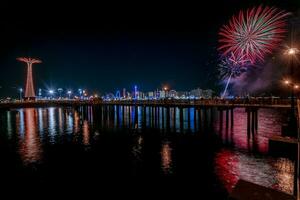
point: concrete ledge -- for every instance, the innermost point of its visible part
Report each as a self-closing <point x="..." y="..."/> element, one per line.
<point x="283" y="146"/>
<point x="245" y="190"/>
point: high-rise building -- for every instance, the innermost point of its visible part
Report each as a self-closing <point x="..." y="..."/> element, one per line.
<point x="150" y="95"/>
<point x="197" y="93"/>
<point x="172" y="93"/>
<point x="162" y="94"/>
<point x="200" y="93"/>
<point x="135" y="92"/>
<point x="207" y="94"/>
<point x="124" y="93"/>
<point x="118" y="95"/>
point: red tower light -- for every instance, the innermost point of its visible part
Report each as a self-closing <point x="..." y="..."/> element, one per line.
<point x="29" y="88"/>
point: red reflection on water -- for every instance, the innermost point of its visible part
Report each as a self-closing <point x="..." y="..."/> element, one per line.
<point x="269" y="124"/>
<point x="30" y="146"/>
<point x="232" y="165"/>
<point x="226" y="166"/>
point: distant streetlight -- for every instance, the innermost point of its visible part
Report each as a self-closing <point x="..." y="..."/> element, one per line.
<point x="69" y="93"/>
<point x="84" y="93"/>
<point x="292" y="51"/>
<point x="166" y="91"/>
<point x="287" y="82"/>
<point x="51" y="93"/>
<point x="60" y="90"/>
<point x="20" y="92"/>
<point x="80" y="93"/>
<point x="40" y="93"/>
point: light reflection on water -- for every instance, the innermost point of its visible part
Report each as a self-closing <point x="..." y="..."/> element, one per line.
<point x="238" y="157"/>
<point x="30" y="145"/>
<point x="52" y="124"/>
<point x="166" y="158"/>
<point x="275" y="172"/>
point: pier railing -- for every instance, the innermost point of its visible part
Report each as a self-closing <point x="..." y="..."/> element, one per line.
<point x="251" y="102"/>
<point x="206" y="102"/>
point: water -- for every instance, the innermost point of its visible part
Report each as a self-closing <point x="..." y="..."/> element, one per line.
<point x="135" y="145"/>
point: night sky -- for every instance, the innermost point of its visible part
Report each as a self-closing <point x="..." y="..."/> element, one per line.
<point x="105" y="47"/>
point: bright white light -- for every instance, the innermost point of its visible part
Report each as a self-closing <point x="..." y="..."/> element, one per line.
<point x="51" y="92"/>
<point x="21" y="90"/>
<point x="69" y="92"/>
<point x="292" y="51"/>
<point x="286" y="82"/>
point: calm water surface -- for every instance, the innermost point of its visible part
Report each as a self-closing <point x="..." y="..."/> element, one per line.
<point x="201" y="154"/>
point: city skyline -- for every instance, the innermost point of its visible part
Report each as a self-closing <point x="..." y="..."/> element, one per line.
<point x="151" y="98"/>
<point x="105" y="53"/>
<point x="126" y="93"/>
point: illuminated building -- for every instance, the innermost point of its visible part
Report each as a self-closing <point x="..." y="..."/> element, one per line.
<point x="150" y="95"/>
<point x="118" y="95"/>
<point x="207" y="94"/>
<point x="135" y="92"/>
<point x="162" y="94"/>
<point x="172" y="93"/>
<point x="200" y="93"/>
<point x="124" y="93"/>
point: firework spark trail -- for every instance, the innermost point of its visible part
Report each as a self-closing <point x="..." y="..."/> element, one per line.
<point x="227" y="83"/>
<point x="253" y="33"/>
<point x="231" y="67"/>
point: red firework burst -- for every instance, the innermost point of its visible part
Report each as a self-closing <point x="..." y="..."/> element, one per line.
<point x="254" y="33"/>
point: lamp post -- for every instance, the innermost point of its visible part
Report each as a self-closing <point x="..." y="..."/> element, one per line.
<point x="20" y="93"/>
<point x="40" y="93"/>
<point x="51" y="92"/>
<point x="80" y="93"/>
<point x="166" y="91"/>
<point x="295" y="132"/>
<point x="292" y="53"/>
<point x="85" y="94"/>
<point x="60" y="90"/>
<point x="69" y="93"/>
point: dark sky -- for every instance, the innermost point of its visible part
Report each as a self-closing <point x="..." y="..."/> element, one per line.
<point x="104" y="47"/>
